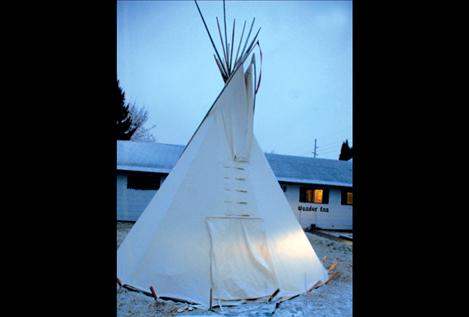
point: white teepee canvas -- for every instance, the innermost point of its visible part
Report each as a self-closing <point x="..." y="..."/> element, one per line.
<point x="220" y="220"/>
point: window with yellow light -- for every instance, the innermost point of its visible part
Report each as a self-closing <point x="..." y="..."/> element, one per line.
<point x="347" y="197"/>
<point x="314" y="195"/>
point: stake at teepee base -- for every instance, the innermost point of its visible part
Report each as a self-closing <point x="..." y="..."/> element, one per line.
<point x="274" y="294"/>
<point x="119" y="282"/>
<point x="317" y="285"/>
<point x="333" y="276"/>
<point x="210" y="307"/>
<point x="155" y="296"/>
<point x="320" y="283"/>
<point x="332" y="267"/>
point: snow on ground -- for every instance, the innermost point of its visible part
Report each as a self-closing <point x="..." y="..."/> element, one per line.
<point x="334" y="299"/>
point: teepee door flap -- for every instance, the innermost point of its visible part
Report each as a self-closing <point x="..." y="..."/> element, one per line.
<point x="241" y="263"/>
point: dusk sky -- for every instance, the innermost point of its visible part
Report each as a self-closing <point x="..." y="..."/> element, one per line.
<point x="165" y="63"/>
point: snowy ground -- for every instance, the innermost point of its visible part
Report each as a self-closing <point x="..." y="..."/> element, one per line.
<point x="334" y="299"/>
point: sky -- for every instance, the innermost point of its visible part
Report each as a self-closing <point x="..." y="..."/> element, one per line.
<point x="165" y="63"/>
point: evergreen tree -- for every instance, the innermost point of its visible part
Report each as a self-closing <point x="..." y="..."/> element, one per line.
<point x="124" y="127"/>
<point x="346" y="152"/>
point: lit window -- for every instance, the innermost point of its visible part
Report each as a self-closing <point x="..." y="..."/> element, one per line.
<point x="347" y="197"/>
<point x="318" y="194"/>
<point x="314" y="195"/>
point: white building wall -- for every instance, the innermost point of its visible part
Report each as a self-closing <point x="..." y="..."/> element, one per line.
<point x="334" y="215"/>
<point x="131" y="202"/>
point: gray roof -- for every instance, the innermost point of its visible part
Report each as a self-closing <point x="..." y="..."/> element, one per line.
<point x="161" y="158"/>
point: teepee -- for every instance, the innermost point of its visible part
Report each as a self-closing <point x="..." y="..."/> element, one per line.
<point x="220" y="227"/>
